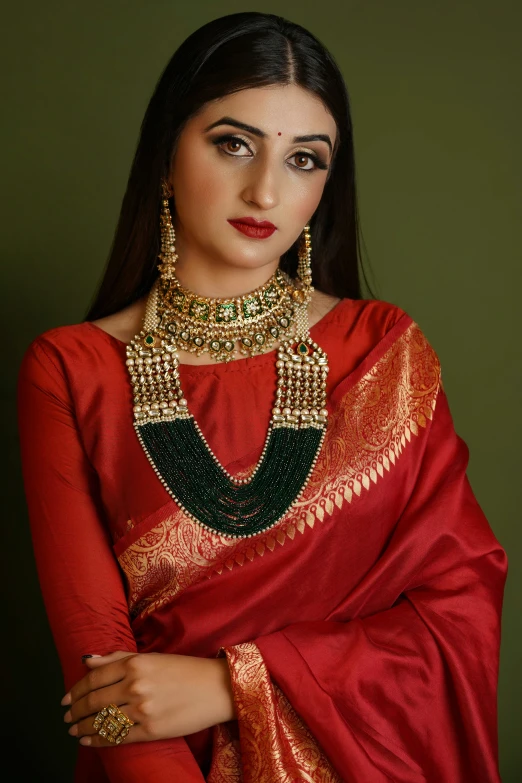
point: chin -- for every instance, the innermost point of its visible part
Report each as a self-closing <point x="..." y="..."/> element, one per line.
<point x="242" y="259"/>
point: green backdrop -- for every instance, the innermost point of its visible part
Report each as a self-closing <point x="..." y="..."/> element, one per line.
<point x="435" y="89"/>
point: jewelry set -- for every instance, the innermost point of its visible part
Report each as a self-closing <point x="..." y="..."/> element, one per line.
<point x="179" y="319"/>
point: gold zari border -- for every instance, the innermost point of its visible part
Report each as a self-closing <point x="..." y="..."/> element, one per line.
<point x="275" y="746"/>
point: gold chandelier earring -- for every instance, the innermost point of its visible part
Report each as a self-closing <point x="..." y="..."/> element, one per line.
<point x="304" y="267"/>
<point x="168" y="255"/>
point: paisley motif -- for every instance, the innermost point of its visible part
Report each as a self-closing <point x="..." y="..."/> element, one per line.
<point x="276" y="746"/>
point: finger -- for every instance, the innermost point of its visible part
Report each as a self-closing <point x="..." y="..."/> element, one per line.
<point x="79" y="689"/>
<point x="94" y="701"/>
<point x="101" y="660"/>
<point x="100" y="677"/>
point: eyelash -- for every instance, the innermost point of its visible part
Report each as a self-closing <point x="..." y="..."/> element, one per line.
<point x="230" y="137"/>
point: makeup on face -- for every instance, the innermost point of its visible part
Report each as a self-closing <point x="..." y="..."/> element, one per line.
<point x="319" y="160"/>
<point x="276" y="134"/>
<point x="256" y="229"/>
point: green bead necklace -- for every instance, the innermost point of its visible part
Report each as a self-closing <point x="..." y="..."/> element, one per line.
<point x="178" y="451"/>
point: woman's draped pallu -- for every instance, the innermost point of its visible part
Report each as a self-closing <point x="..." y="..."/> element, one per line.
<point x="362" y="631"/>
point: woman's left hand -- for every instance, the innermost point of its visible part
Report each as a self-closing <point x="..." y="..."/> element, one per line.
<point x="165" y="695"/>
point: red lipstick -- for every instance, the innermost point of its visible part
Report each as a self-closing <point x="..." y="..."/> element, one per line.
<point x="257" y="229"/>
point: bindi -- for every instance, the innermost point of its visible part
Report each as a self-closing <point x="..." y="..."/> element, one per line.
<point x="279" y="133"/>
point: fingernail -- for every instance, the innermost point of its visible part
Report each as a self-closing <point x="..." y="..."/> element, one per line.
<point x="66" y="700"/>
<point x="85" y="741"/>
<point x="73" y="730"/>
<point x="84" y="657"/>
<point x="67" y="717"/>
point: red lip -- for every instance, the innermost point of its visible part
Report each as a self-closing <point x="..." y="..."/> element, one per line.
<point x="250" y="221"/>
<point x="253" y="228"/>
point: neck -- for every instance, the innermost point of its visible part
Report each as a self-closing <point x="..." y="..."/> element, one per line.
<point x="214" y="278"/>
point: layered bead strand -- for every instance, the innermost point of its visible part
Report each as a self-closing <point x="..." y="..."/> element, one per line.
<point x="180" y="454"/>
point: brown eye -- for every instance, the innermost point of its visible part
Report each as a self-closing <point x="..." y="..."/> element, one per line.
<point x="231" y="145"/>
<point x="304" y="157"/>
<point x="300" y="159"/>
<point x="234" y="143"/>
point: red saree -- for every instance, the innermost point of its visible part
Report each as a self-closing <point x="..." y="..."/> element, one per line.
<point x="362" y="631"/>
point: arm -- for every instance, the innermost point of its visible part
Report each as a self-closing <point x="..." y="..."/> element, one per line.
<point x="79" y="577"/>
<point x="406" y="688"/>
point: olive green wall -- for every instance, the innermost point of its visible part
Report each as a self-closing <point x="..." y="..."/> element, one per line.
<point x="435" y="89"/>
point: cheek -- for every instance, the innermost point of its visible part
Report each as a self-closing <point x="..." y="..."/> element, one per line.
<point x="306" y="198"/>
<point x="197" y="185"/>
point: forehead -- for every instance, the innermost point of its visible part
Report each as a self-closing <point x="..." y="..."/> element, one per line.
<point x="286" y="109"/>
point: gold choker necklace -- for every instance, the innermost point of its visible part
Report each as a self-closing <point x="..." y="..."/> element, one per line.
<point x="250" y="324"/>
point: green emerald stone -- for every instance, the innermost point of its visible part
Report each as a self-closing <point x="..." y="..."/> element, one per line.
<point x="199" y="309"/>
<point x="149" y="339"/>
<point x="226" y="312"/>
<point x="270" y="296"/>
<point x="252" y="307"/>
<point x="303" y="349"/>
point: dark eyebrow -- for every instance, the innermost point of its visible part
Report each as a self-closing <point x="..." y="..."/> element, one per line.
<point x="257" y="132"/>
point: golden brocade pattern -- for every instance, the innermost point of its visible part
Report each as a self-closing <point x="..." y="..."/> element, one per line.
<point x="370" y="427"/>
<point x="275" y="746"/>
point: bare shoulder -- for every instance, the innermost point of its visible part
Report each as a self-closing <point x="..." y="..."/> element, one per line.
<point x="320" y="305"/>
<point x="126" y="323"/>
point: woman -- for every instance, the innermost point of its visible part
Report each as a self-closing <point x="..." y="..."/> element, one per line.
<point x="246" y="493"/>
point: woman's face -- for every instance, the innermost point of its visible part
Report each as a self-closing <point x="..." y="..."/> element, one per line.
<point x="221" y="172"/>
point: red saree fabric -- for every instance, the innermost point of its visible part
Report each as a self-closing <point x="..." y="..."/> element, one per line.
<point x="362" y="631"/>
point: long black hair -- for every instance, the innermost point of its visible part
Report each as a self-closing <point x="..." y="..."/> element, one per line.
<point x="228" y="54"/>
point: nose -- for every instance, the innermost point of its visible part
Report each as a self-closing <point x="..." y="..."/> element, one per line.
<point x="261" y="188"/>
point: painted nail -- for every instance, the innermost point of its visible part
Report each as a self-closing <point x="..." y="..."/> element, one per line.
<point x="84" y="657"/>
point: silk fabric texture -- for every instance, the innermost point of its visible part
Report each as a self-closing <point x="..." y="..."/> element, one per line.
<point x="362" y="631"/>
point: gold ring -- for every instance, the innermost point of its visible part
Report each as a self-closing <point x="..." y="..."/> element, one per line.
<point x="112" y="724"/>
